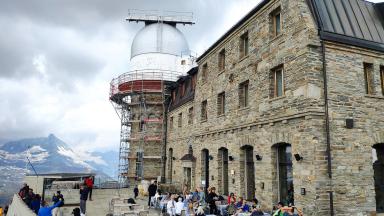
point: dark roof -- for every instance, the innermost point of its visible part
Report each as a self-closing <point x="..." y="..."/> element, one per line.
<point x="355" y="22"/>
<point x="233" y="28"/>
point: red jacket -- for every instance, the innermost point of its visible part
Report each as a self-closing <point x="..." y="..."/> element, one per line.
<point x="89" y="182"/>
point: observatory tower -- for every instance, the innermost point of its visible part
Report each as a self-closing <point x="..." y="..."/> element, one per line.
<point x="159" y="55"/>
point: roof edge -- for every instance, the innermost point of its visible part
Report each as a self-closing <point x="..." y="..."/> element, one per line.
<point x="234" y="27"/>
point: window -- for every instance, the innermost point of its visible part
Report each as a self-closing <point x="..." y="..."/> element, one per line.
<point x="180" y="120"/>
<point x="173" y="96"/>
<point x="285" y="173"/>
<point x="243" y="94"/>
<point x="277" y="82"/>
<point x="204" y="72"/>
<point x="244" y="45"/>
<point x="139" y="164"/>
<point x="378" y="165"/>
<point x="368" y="77"/>
<point x="190" y="115"/>
<point x="193" y="81"/>
<point x="222" y="60"/>
<point x="276" y="22"/>
<point x="221" y="104"/>
<point x="204" y="115"/>
<point x="183" y="62"/>
<point x="171" y="123"/>
<point x="382" y="79"/>
<point x="182" y="89"/>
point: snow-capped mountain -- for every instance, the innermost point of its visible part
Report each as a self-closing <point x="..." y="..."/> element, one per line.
<point x="48" y="155"/>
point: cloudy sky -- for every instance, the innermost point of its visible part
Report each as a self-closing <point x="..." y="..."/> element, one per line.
<point x="58" y="56"/>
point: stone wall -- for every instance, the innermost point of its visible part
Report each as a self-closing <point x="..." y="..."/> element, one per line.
<point x="297" y="118"/>
<point x="352" y="160"/>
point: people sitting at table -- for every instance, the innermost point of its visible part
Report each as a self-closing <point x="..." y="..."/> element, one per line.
<point x="256" y="211"/>
<point x="242" y="206"/>
<point x="231" y="198"/>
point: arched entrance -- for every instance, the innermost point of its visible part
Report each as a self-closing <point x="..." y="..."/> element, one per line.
<point x="222" y="161"/>
<point x="378" y="168"/>
<point x="284" y="173"/>
<point x="247" y="172"/>
<point x="205" y="168"/>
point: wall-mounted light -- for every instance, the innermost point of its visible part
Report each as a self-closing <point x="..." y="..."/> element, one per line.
<point x="173" y="158"/>
<point x="230" y="158"/>
<point x="259" y="157"/>
<point x="210" y="157"/>
<point x="298" y="157"/>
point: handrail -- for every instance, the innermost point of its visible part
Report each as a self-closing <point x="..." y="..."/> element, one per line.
<point x="146" y="74"/>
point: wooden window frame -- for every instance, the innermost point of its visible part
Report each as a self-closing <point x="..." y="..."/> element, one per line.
<point x="193" y="81"/>
<point x="244" y="45"/>
<point x="190" y="115"/>
<point x="244" y="94"/>
<point x="369" y="78"/>
<point x="221" y="104"/>
<point x="275" y="82"/>
<point x="221" y="60"/>
<point x="204" y="111"/>
<point x="274" y="14"/>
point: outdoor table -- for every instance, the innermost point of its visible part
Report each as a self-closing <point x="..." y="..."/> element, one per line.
<point x="244" y="214"/>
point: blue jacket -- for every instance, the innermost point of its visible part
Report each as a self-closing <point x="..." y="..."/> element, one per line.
<point x="47" y="211"/>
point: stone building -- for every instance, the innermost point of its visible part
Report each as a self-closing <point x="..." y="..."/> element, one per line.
<point x="287" y="106"/>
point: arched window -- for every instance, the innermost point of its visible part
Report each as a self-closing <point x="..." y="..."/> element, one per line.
<point x="170" y="164"/>
<point x="378" y="168"/>
<point x="222" y="161"/>
<point x="284" y="173"/>
<point x="247" y="172"/>
<point x="205" y="168"/>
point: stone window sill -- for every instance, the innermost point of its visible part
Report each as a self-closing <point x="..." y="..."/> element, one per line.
<point x="204" y="120"/>
<point x="220" y="72"/>
<point x="276" y="37"/>
<point x="374" y="96"/>
<point x="244" y="57"/>
<point x="276" y="98"/>
<point x="220" y="115"/>
<point x="243" y="108"/>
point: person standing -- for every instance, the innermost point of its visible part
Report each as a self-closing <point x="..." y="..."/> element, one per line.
<point x="46" y="210"/>
<point x="136" y="191"/>
<point x="56" y="198"/>
<point x="83" y="198"/>
<point x="211" y="200"/>
<point x="151" y="192"/>
<point x="89" y="182"/>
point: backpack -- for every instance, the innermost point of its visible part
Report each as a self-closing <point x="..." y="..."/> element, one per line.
<point x="231" y="209"/>
<point x="76" y="212"/>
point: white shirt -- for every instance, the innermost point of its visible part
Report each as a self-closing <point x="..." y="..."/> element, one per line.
<point x="179" y="207"/>
<point x="171" y="207"/>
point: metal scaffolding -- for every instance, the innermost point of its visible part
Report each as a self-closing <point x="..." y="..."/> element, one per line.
<point x="132" y="94"/>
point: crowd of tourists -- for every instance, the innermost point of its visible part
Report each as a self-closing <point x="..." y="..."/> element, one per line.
<point x="42" y="207"/>
<point x="200" y="203"/>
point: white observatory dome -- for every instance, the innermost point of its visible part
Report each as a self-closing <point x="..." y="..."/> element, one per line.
<point x="159" y="38"/>
<point x="160" y="51"/>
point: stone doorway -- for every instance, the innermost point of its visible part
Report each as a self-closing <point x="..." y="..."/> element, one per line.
<point x="222" y="161"/>
<point x="247" y="172"/>
<point x="378" y="168"/>
<point x="205" y="168"/>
